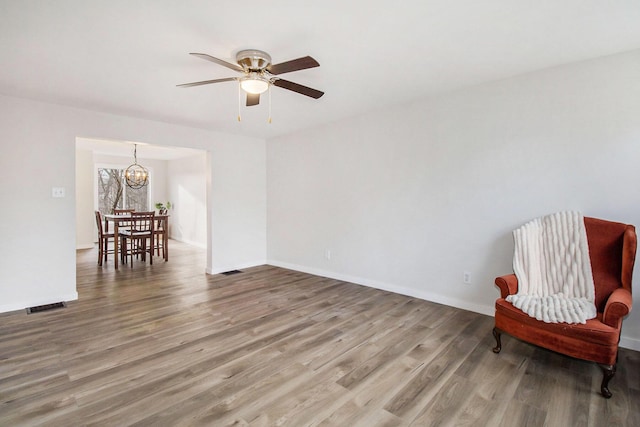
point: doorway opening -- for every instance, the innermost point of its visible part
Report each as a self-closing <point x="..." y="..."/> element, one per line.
<point x="177" y="177"/>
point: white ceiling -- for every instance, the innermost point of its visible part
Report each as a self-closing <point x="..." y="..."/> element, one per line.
<point x="126" y="57"/>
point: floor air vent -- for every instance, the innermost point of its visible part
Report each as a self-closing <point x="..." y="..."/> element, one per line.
<point x="229" y="273"/>
<point x="46" y="307"/>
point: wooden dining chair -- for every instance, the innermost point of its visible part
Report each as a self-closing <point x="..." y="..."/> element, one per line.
<point x="103" y="240"/>
<point x="159" y="232"/>
<point x="138" y="238"/>
<point x="123" y="224"/>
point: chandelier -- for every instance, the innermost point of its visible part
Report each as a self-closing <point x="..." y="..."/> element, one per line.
<point x="136" y="175"/>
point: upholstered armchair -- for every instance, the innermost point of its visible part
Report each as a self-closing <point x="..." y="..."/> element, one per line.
<point x="612" y="251"/>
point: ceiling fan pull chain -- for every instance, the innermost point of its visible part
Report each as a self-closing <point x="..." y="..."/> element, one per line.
<point x="269" y="121"/>
<point x="239" y="100"/>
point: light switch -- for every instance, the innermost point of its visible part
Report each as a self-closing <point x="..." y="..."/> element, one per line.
<point x="57" y="192"/>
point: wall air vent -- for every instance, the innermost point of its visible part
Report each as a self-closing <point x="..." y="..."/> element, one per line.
<point x="46" y="307"/>
<point x="229" y="273"/>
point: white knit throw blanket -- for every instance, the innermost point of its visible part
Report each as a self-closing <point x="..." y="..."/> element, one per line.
<point x="551" y="261"/>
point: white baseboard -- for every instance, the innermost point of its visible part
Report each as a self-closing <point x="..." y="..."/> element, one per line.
<point x="427" y="296"/>
<point x="36" y="302"/>
<point x="190" y="242"/>
<point x="629" y="343"/>
<point x="85" y="246"/>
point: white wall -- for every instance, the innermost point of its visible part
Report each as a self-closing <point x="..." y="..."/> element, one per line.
<point x="409" y="198"/>
<point x="186" y="185"/>
<point x="37" y="142"/>
<point x="238" y="182"/>
<point x="86" y="230"/>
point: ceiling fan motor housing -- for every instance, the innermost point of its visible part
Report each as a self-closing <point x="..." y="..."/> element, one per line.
<point x="253" y="60"/>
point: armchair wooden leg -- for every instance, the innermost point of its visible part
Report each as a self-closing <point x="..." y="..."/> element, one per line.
<point x="496" y="335"/>
<point x="608" y="371"/>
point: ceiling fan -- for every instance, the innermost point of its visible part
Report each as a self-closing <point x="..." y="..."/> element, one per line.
<point x="258" y="74"/>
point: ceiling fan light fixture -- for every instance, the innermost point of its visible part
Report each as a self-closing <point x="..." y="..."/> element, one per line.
<point x="254" y="84"/>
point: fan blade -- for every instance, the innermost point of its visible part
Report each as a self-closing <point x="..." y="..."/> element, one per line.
<point x="293" y="65"/>
<point x="234" y="67"/>
<point x="253" y="99"/>
<point x="206" y="82"/>
<point x="304" y="90"/>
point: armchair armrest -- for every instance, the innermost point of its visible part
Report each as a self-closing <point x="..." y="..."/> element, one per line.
<point x="508" y="285"/>
<point x="618" y="305"/>
<point x="629" y="244"/>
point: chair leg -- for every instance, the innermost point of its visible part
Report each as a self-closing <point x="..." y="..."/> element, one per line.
<point x="124" y="252"/>
<point x="150" y="249"/>
<point x="608" y="371"/>
<point x="100" y="252"/>
<point x="496" y="335"/>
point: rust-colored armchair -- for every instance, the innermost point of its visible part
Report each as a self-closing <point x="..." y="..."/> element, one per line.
<point x="612" y="251"/>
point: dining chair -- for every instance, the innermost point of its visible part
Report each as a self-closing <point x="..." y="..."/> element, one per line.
<point x="159" y="232"/>
<point x="103" y="240"/>
<point x="138" y="238"/>
<point x="120" y="212"/>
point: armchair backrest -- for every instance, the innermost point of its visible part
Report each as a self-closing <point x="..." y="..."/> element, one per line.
<point x="612" y="251"/>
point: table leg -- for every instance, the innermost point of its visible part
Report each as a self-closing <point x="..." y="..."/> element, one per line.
<point x="165" y="239"/>
<point x="116" y="243"/>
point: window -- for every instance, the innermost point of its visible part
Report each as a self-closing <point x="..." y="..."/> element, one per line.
<point x="113" y="192"/>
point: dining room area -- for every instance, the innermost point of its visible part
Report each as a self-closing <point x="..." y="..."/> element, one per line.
<point x="135" y="200"/>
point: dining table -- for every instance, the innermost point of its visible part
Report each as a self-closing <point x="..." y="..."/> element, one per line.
<point x="119" y="219"/>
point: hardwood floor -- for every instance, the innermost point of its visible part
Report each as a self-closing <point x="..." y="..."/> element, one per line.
<point x="168" y="345"/>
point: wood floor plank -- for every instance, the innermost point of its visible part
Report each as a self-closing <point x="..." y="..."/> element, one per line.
<point x="521" y="414"/>
<point x="450" y="401"/>
<point x="170" y="345"/>
<point x="429" y="380"/>
<point x="371" y="397"/>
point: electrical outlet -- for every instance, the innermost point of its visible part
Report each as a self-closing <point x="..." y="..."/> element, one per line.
<point x="327" y="254"/>
<point x="57" y="192"/>
<point x="466" y="277"/>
